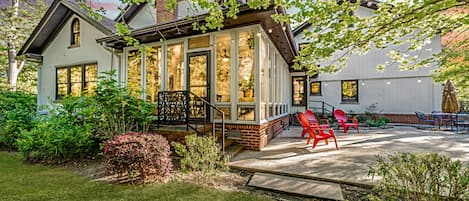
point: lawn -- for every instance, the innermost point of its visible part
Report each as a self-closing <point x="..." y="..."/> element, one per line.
<point x="20" y="181"/>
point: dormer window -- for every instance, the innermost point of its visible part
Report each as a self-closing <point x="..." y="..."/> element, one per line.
<point x="75" y="40"/>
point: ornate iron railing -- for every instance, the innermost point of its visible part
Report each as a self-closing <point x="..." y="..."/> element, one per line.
<point x="186" y="108"/>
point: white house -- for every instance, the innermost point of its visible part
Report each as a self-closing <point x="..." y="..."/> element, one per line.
<point x="393" y="93"/>
<point x="242" y="70"/>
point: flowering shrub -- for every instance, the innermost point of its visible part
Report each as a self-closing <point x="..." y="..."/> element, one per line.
<point x="141" y="156"/>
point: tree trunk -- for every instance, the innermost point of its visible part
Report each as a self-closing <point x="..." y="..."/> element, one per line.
<point x="13" y="68"/>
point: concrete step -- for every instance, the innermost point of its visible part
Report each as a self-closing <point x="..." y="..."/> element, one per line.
<point x="304" y="187"/>
<point x="233" y="150"/>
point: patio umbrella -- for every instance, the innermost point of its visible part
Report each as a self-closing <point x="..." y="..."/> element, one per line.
<point x="449" y="103"/>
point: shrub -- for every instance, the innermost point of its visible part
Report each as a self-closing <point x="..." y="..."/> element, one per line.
<point x="57" y="140"/>
<point x="140" y="156"/>
<point x="409" y="176"/>
<point x="200" y="154"/>
<point x="17" y="111"/>
<point x="120" y="111"/>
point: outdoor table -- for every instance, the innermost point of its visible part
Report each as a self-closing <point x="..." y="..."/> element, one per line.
<point x="455" y="119"/>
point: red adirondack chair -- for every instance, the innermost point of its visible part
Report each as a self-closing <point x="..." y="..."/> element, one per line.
<point x="303" y="133"/>
<point x="317" y="133"/>
<point x="345" y="123"/>
<point x="312" y="119"/>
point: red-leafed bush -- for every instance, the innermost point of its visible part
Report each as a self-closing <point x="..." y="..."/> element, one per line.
<point x="141" y="156"/>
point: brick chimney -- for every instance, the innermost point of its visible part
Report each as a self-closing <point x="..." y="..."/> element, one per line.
<point x="163" y="14"/>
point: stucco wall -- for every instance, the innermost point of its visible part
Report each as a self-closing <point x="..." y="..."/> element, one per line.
<point x="393" y="90"/>
<point x="59" y="54"/>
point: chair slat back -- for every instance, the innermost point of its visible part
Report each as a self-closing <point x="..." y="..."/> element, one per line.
<point x="310" y="115"/>
<point x="340" y="115"/>
<point x="307" y="126"/>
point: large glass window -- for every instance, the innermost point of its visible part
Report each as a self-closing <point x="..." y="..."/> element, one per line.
<point x="76" y="80"/>
<point x="315" y="88"/>
<point x="246" y="66"/>
<point x="175" y="63"/>
<point x="134" y="71"/>
<point x="223" y="69"/>
<point x="153" y="73"/>
<point x="350" y="91"/>
<point x="298" y="87"/>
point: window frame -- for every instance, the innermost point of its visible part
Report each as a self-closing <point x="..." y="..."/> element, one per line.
<point x="311" y="93"/>
<point x="74" y="43"/>
<point x="69" y="77"/>
<point x="347" y="101"/>
<point x="293" y="91"/>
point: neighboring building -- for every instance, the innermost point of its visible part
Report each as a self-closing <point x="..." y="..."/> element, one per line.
<point x="394" y="93"/>
<point x="243" y="69"/>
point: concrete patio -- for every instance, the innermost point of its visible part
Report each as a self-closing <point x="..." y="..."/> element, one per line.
<point x="288" y="154"/>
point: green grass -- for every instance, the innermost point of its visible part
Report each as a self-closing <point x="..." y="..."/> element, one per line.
<point x="20" y="181"/>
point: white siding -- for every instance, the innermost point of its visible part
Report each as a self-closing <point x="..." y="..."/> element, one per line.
<point x="58" y="54"/>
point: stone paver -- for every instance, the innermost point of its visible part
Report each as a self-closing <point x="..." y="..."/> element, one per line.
<point x="298" y="186"/>
<point x="289" y="154"/>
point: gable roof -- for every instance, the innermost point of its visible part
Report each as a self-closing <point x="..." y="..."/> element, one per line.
<point x="371" y="4"/>
<point x="53" y="21"/>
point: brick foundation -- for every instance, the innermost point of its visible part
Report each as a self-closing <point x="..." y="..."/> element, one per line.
<point x="255" y="137"/>
<point x="402" y="118"/>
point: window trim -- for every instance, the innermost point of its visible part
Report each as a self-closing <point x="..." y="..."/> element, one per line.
<point x="69" y="83"/>
<point x="293" y="90"/>
<point x="320" y="88"/>
<point x="349" y="101"/>
<point x="74" y="43"/>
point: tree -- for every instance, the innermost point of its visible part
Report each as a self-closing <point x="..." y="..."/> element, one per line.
<point x="18" y="21"/>
<point x="338" y="33"/>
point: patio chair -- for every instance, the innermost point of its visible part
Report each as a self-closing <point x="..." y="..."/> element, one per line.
<point x="425" y="119"/>
<point x="345" y="122"/>
<point x="303" y="133"/>
<point x="317" y="133"/>
<point x="312" y="119"/>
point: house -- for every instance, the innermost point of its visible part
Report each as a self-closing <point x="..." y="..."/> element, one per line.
<point x="360" y="88"/>
<point x="242" y="70"/>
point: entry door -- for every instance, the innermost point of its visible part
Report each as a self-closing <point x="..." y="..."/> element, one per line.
<point x="198" y="77"/>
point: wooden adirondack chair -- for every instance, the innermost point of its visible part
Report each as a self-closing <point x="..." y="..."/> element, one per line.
<point x="345" y="123"/>
<point x="316" y="132"/>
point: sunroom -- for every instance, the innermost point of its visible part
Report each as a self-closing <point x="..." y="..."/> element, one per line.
<point x="243" y="70"/>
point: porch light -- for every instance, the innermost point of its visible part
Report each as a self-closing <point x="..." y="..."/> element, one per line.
<point x="388" y="82"/>
<point x="270" y="30"/>
<point x="259" y="34"/>
<point x="284" y="28"/>
<point x="419" y="81"/>
<point x="363" y="83"/>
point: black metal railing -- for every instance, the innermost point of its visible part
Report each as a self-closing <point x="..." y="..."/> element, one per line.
<point x="321" y="106"/>
<point x="186" y="108"/>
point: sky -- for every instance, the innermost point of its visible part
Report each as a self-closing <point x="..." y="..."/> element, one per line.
<point x="110" y="7"/>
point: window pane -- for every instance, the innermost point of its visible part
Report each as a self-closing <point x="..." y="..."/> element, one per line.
<point x="246" y="67"/>
<point x="153" y="73"/>
<point x="199" y="42"/>
<point x="175" y="67"/>
<point x="350" y="91"/>
<point x="315" y="88"/>
<point x="246" y="113"/>
<point x="224" y="109"/>
<point x="62" y="75"/>
<point x="133" y="74"/>
<point x="91" y="78"/>
<point x="75" y="74"/>
<point x="223" y="75"/>
<point x="299" y="91"/>
<point x="61" y="90"/>
<point x="75" y="89"/>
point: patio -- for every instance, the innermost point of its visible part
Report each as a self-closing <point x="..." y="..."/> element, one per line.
<point x="288" y="153"/>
